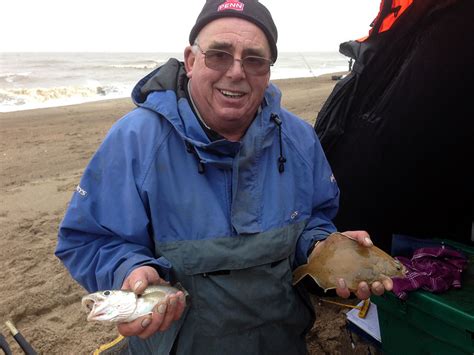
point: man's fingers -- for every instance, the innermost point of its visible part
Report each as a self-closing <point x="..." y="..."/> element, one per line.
<point x="170" y="308"/>
<point x="180" y="306"/>
<point x="164" y="314"/>
<point x="362" y="237"/>
<point x="154" y="326"/>
<point x="341" y="289"/>
<point x="139" y="286"/>
<point x="377" y="288"/>
<point x="363" y="291"/>
<point x="387" y="284"/>
<point x="135" y="327"/>
<point x="140" y="278"/>
<point x="162" y="317"/>
<point x="366" y="241"/>
<point x="136" y="282"/>
<point x="349" y="235"/>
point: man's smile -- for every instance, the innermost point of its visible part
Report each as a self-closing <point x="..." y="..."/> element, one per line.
<point x="232" y="94"/>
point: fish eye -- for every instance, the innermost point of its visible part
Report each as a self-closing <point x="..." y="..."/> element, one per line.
<point x="106" y="293"/>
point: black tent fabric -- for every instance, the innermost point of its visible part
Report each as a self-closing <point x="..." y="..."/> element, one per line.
<point x="398" y="129"/>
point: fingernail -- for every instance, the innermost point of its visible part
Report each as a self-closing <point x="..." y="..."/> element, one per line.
<point x="162" y="308"/>
<point x="341" y="283"/>
<point x="137" y="285"/>
<point x="173" y="301"/>
<point x="368" y="241"/>
<point x="146" y="322"/>
<point x="182" y="298"/>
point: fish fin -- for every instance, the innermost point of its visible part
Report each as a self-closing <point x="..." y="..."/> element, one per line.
<point x="348" y="236"/>
<point x="299" y="273"/>
<point x="181" y="288"/>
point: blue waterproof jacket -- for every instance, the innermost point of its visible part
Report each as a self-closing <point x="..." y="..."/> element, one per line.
<point x="229" y="220"/>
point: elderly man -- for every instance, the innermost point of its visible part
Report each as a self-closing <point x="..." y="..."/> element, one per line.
<point x="211" y="183"/>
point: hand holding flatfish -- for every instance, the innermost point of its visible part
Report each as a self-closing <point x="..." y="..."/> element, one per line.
<point x="340" y="257"/>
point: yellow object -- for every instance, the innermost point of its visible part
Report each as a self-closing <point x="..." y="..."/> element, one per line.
<point x="112" y="347"/>
<point x="362" y="309"/>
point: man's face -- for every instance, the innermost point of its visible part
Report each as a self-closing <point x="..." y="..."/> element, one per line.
<point x="228" y="100"/>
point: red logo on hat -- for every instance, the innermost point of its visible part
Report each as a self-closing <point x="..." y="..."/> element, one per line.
<point x="231" y="5"/>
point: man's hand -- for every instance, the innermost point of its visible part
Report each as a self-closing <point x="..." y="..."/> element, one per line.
<point x="363" y="291"/>
<point x="163" y="316"/>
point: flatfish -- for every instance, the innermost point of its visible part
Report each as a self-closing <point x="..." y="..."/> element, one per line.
<point x="342" y="257"/>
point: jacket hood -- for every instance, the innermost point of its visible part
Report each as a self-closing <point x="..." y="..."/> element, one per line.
<point x="164" y="92"/>
<point x="170" y="76"/>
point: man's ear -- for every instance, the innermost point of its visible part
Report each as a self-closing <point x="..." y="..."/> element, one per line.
<point x="189" y="59"/>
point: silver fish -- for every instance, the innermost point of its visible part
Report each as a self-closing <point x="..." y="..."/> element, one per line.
<point x="119" y="306"/>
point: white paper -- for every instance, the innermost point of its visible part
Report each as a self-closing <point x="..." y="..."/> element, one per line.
<point x="369" y="324"/>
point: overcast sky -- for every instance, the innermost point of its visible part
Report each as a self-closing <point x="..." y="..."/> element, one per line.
<point x="164" y="25"/>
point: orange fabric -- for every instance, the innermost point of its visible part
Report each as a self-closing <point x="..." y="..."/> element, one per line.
<point x="393" y="16"/>
<point x="390" y="19"/>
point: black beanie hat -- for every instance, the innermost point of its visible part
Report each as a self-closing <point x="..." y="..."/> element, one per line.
<point x="250" y="10"/>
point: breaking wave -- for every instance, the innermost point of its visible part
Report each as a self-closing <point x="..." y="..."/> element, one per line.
<point x="28" y="98"/>
<point x="139" y="65"/>
<point x="14" y="77"/>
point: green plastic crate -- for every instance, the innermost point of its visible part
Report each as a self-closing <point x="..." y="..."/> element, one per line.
<point x="428" y="323"/>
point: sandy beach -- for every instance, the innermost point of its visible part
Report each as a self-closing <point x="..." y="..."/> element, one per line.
<point x="43" y="153"/>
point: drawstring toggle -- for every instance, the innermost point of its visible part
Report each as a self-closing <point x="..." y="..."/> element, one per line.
<point x="281" y="159"/>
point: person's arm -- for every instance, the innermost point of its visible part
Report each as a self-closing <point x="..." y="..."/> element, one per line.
<point x="325" y="206"/>
<point x="105" y="232"/>
<point x="325" y="203"/>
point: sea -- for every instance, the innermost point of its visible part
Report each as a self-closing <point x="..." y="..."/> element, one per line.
<point x="38" y="80"/>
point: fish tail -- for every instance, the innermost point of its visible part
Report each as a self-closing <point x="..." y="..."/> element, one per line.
<point x="181" y="288"/>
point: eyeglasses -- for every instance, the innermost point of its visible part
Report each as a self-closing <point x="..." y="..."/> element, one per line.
<point x="219" y="60"/>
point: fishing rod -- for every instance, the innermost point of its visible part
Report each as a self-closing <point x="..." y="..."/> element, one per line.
<point x="26" y="347"/>
<point x="4" y="345"/>
<point x="307" y="64"/>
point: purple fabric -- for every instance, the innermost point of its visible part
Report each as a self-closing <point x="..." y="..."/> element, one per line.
<point x="432" y="269"/>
